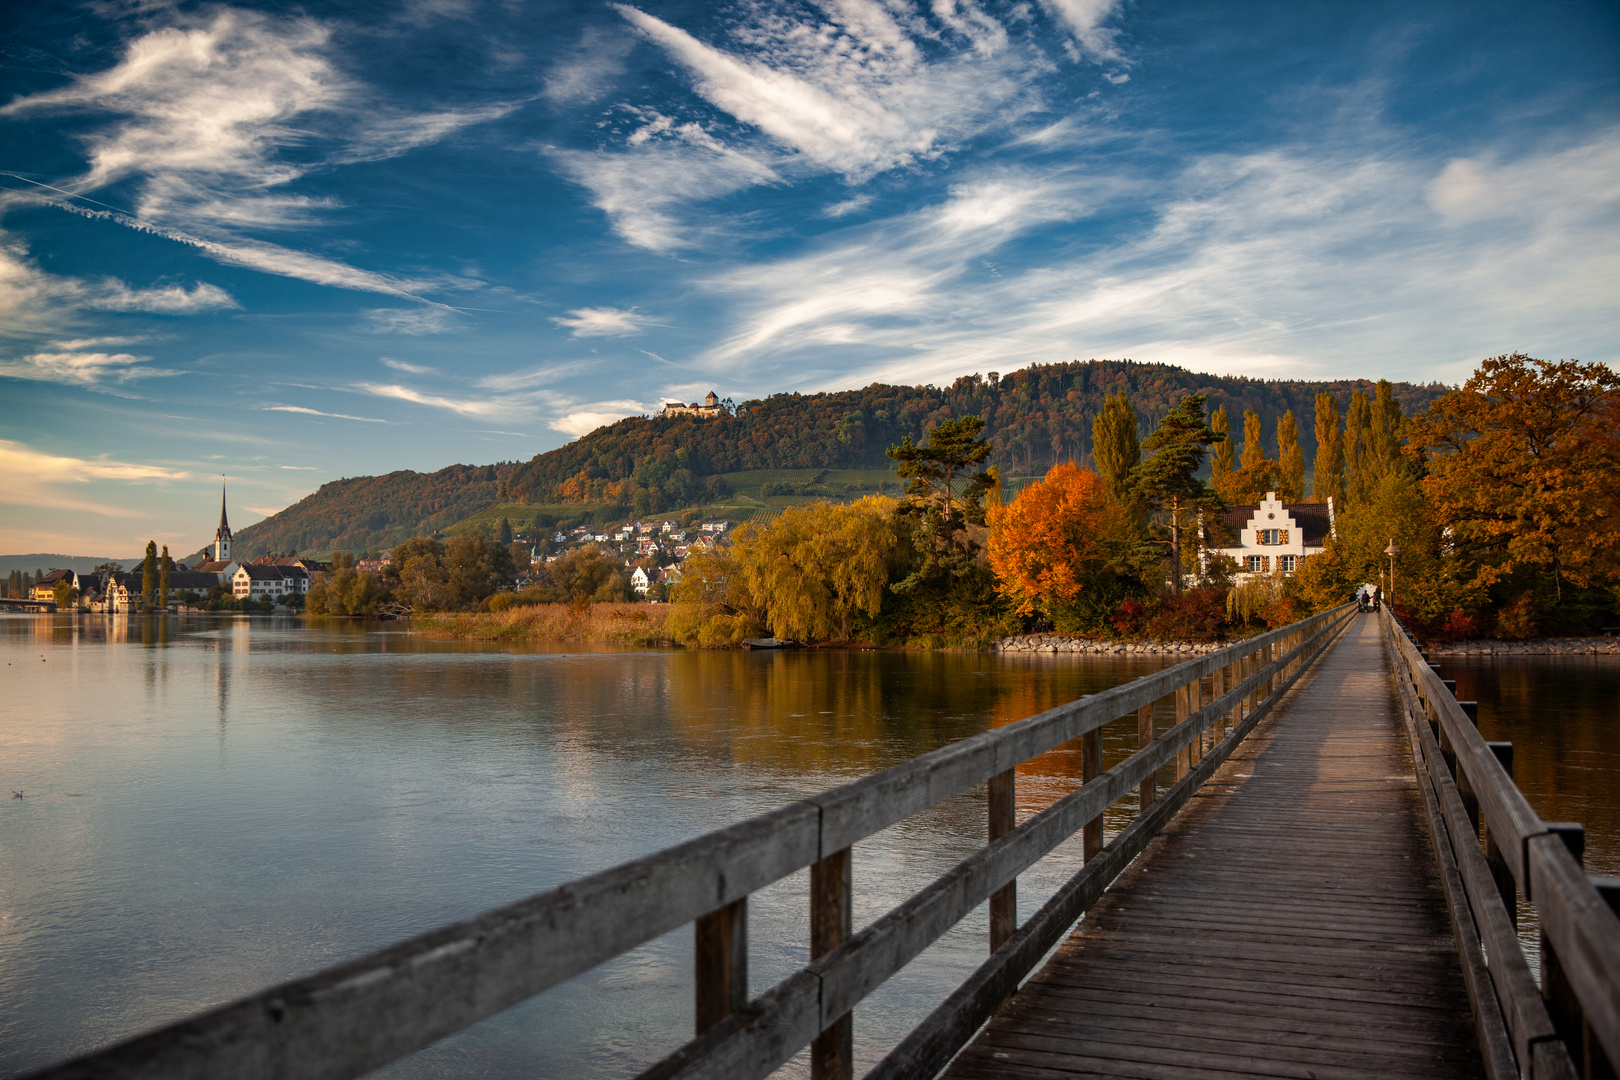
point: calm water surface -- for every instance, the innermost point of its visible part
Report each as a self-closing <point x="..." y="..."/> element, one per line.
<point x="215" y="805"/>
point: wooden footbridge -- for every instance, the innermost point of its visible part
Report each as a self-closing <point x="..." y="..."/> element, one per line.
<point x="1326" y="884"/>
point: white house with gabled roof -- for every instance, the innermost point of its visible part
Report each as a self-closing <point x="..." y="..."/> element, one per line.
<point x="1273" y="536"/>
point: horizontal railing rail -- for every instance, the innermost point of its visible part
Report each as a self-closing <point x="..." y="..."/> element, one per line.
<point x="1568" y="1025"/>
<point x="364" y="1014"/>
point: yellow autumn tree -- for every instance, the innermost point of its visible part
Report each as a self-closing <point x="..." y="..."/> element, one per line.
<point x="1055" y="540"/>
<point x="815" y="569"/>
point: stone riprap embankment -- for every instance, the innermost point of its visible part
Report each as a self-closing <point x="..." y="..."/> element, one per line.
<point x="1587" y="646"/>
<point x="1057" y="643"/>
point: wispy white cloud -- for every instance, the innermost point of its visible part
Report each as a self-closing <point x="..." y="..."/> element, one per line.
<point x="587" y="418"/>
<point x="602" y="322"/>
<point x="317" y="412"/>
<point x="217" y="114"/>
<point x="410" y="369"/>
<point x="462" y="406"/>
<point x="849" y="88"/>
<point x="34" y="301"/>
<point x="299" y="468"/>
<point x="78" y="368"/>
<point x="643" y="190"/>
<point x="35" y="478"/>
<point x="1084" y="19"/>
<point x="1284" y="262"/>
<point x="589" y="70"/>
<point x="412" y="321"/>
<point x="530" y="378"/>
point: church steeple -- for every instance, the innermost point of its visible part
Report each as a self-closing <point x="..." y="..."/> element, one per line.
<point x="222" y="535"/>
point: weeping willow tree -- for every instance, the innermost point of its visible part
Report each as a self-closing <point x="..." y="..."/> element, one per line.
<point x="815" y="569"/>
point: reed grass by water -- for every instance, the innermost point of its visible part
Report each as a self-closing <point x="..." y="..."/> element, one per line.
<point x="627" y="624"/>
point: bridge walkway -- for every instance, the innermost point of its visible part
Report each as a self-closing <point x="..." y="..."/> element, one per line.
<point x="1290" y="922"/>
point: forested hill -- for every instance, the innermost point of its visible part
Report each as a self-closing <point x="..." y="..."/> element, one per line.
<point x="1035" y="417"/>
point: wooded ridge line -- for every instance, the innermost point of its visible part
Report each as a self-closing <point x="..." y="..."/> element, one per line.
<point x="1034" y="418"/>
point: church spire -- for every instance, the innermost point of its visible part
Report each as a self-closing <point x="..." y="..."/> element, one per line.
<point x="222" y="535"/>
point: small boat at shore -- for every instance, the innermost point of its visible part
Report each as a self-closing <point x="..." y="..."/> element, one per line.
<point x="768" y="643"/>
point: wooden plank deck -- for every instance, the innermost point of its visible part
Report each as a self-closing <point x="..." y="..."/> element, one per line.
<point x="1290" y="922"/>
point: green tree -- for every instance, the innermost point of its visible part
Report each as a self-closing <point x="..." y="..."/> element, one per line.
<point x="506" y="531"/>
<point x="943" y="497"/>
<point x="1114" y="444"/>
<point x="64" y="595"/>
<point x="1290" y="460"/>
<point x="1222" y="460"/>
<point x="1357" y="448"/>
<point x="1327" y="479"/>
<point x="149" y="574"/>
<point x="166" y="565"/>
<point x="1168" y="483"/>
<point x="953" y="447"/>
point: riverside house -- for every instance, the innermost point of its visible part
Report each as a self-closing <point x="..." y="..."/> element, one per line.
<point x="1274" y="536"/>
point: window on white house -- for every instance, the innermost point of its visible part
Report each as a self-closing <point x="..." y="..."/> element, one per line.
<point x="1285" y="562"/>
<point x="1252" y="563"/>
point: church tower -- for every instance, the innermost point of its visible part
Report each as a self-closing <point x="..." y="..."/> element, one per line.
<point x="222" y="535"/>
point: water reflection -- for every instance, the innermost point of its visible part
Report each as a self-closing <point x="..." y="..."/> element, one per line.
<point x="217" y="804"/>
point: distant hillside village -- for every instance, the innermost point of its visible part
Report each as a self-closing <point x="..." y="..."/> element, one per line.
<point x="644" y="555"/>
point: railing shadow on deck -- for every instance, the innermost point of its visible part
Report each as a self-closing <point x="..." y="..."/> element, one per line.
<point x="1569" y="1025"/>
<point x="361" y="1015"/>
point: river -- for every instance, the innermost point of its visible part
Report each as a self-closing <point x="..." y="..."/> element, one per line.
<point x="213" y="805"/>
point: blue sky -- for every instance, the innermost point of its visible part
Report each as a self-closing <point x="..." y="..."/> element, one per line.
<point x="292" y="243"/>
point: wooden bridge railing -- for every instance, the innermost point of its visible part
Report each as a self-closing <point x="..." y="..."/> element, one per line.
<point x="361" y="1015"/>
<point x="1569" y="1026"/>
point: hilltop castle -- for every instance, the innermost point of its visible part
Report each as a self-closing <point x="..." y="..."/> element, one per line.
<point x="711" y="407"/>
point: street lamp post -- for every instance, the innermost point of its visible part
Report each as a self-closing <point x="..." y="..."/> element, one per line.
<point x="1392" y="551"/>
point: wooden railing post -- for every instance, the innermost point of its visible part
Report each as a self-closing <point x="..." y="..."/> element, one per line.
<point x="721" y="949"/>
<point x="1505" y="885"/>
<point x="1091" y="768"/>
<point x="1003" y="817"/>
<point x="832" y="1054"/>
<point x="1183" y="755"/>
<point x="1144" y="735"/>
<point x="1562" y="1005"/>
<point x="1465" y="783"/>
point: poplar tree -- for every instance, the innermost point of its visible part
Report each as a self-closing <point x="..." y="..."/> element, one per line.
<point x="1357" y="434"/>
<point x="149" y="574"/>
<point x="163" y="578"/>
<point x="1254" y="454"/>
<point x="1168" y="480"/>
<point x="1290" y="460"/>
<point x="1223" y="458"/>
<point x="1327" y="478"/>
<point x="506" y="531"/>
<point x="1384" y="445"/>
<point x="1114" y="445"/>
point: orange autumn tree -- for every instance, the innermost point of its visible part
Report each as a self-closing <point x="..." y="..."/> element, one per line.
<point x="1524" y="467"/>
<point x="1061" y="537"/>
